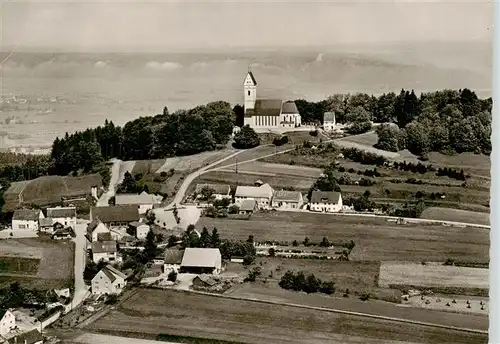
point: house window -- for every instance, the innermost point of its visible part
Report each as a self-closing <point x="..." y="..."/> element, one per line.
<point x="22" y="226"/>
<point x="248" y="92"/>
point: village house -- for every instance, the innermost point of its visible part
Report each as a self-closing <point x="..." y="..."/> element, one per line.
<point x="262" y="194"/>
<point x="106" y="251"/>
<point x="46" y="225"/>
<point x="63" y="233"/>
<point x="248" y="207"/>
<point x="329" y="121"/>
<point x="26" y="219"/>
<point x="94" y="229"/>
<point x="108" y="281"/>
<point x="139" y="229"/>
<point x="218" y="191"/>
<point x="144" y="201"/>
<point x="284" y="199"/>
<point x="7" y="321"/>
<point x="172" y="260"/>
<point x="201" y="260"/>
<point x="115" y="216"/>
<point x="64" y="215"/>
<point x="203" y="281"/>
<point x="326" y="201"/>
<point x="31" y="337"/>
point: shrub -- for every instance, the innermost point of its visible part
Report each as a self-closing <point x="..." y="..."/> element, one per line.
<point x="172" y="276"/>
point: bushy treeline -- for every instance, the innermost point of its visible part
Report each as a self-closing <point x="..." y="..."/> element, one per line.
<point x="183" y="132"/>
<point x="310" y="284"/>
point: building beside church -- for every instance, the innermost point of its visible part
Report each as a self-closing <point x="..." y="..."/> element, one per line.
<point x="267" y="113"/>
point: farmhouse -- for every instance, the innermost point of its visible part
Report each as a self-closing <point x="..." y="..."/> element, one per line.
<point x="64" y="233"/>
<point x="95" y="228"/>
<point x="201" y="260"/>
<point x="108" y="281"/>
<point x="115" y="216"/>
<point x="262" y="194"/>
<point x="7" y="321"/>
<point x="172" y="260"/>
<point x="267" y="113"/>
<point x="106" y="251"/>
<point x="329" y="122"/>
<point x="46" y="225"/>
<point x="144" y="201"/>
<point x="26" y="219"/>
<point x="203" y="281"/>
<point x="31" y="337"/>
<point x="139" y="229"/>
<point x="326" y="201"/>
<point x="217" y="191"/>
<point x="248" y="207"/>
<point x="284" y="199"/>
<point x="64" y="215"/>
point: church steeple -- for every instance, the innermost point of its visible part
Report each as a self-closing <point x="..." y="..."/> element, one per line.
<point x="250" y="89"/>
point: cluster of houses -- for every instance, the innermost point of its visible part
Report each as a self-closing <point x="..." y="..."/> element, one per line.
<point x="8" y="324"/>
<point x="59" y="222"/>
<point x="262" y="196"/>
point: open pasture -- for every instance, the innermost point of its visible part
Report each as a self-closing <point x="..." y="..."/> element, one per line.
<point x="278" y="169"/>
<point x="49" y="189"/>
<point x="145" y="167"/>
<point x="193" y="162"/>
<point x="432" y="275"/>
<point x="181" y="313"/>
<point x="249" y="178"/>
<point x="375" y="238"/>
<point x="449" y="214"/>
<point x="36" y="262"/>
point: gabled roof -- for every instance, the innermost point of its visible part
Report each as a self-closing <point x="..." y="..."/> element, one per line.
<point x="201" y="257"/>
<point x="289" y="108"/>
<point x="113" y="273"/>
<point x="329" y="117"/>
<point x="263" y="191"/>
<point x="104" y="236"/>
<point x="325" y="197"/>
<point x="252" y="77"/>
<point x="265" y="107"/>
<point x="46" y="222"/>
<point x="26" y="214"/>
<point x="29" y="337"/>
<point x="287" y="196"/>
<point x="117" y="213"/>
<point x="220" y="189"/>
<point x="104" y="246"/>
<point x="94" y="225"/>
<point x="206" y="279"/>
<point x="248" y="205"/>
<point x="173" y="256"/>
<point x="136" y="224"/>
<point x="60" y="212"/>
<point x="143" y="198"/>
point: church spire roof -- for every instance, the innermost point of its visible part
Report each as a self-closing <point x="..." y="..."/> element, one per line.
<point x="251" y="76"/>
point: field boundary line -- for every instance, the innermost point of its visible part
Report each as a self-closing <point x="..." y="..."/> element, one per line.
<point x="20" y="198"/>
<point x="339" y="311"/>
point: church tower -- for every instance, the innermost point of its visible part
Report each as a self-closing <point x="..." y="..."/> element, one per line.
<point x="250" y="89"/>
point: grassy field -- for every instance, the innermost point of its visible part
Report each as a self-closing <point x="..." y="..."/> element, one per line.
<point x="147" y="166"/>
<point x="448" y="214"/>
<point x="181" y="313"/>
<point x="432" y="275"/>
<point x="40" y="274"/>
<point x="19" y="265"/>
<point x="375" y="238"/>
<point x="193" y="162"/>
<point x="358" y="276"/>
<point x="49" y="189"/>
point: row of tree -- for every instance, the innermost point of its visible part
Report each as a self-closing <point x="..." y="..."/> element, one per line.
<point x="310" y="284"/>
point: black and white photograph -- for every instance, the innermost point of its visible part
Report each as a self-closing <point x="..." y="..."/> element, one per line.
<point x="239" y="172"/>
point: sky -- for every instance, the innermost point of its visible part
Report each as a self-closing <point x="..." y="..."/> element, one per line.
<point x="113" y="25"/>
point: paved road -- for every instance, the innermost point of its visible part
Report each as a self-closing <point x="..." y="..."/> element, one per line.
<point x="113" y="182"/>
<point x="81" y="290"/>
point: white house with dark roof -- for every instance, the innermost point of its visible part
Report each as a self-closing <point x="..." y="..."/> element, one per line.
<point x="7" y="321"/>
<point x="326" y="201"/>
<point x="144" y="201"/>
<point x="248" y="207"/>
<point x="219" y="191"/>
<point x="95" y="228"/>
<point x="108" y="281"/>
<point x="267" y="113"/>
<point x="106" y="251"/>
<point x="46" y="225"/>
<point x="201" y="260"/>
<point x="172" y="260"/>
<point x="329" y="121"/>
<point x="262" y="194"/>
<point x="27" y="219"/>
<point x="115" y="216"/>
<point x="64" y="215"/>
<point x="284" y="199"/>
<point x="140" y="229"/>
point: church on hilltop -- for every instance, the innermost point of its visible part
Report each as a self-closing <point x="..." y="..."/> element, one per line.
<point x="267" y="113"/>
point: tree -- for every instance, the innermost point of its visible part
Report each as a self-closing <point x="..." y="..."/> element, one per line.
<point x="418" y="141"/>
<point x="128" y="185"/>
<point x="172" y="241"/>
<point x="205" y="240"/>
<point x="112" y="200"/>
<point x="172" y="276"/>
<point x="151" y="218"/>
<point x="206" y="193"/>
<point x="233" y="209"/>
<point x="312" y="284"/>
<point x="246" y="138"/>
<point x="357" y="114"/>
<point x="150" y="248"/>
<point x="324" y="242"/>
<point x="215" y="239"/>
<point x="306" y="241"/>
<point x="388" y="138"/>
<point x="253" y="274"/>
<point x="272" y="252"/>
<point x="248" y="260"/>
<point x="250" y="239"/>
